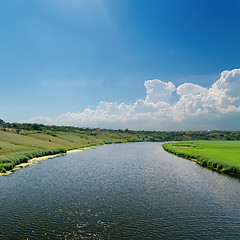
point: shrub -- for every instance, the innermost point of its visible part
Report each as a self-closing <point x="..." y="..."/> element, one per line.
<point x="8" y="162"/>
<point x="2" y="170"/>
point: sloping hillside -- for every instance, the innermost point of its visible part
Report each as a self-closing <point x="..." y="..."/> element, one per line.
<point x="11" y="141"/>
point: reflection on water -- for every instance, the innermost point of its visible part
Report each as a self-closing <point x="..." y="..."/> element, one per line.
<point x="122" y="191"/>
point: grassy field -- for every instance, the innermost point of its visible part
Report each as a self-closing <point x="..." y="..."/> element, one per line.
<point x="16" y="148"/>
<point x="222" y="156"/>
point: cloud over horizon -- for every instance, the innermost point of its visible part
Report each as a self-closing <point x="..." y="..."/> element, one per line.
<point x="197" y="108"/>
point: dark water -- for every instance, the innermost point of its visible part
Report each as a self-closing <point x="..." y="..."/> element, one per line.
<point x="124" y="191"/>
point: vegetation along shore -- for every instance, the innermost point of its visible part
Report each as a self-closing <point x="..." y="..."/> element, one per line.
<point x="222" y="156"/>
<point x="21" y="142"/>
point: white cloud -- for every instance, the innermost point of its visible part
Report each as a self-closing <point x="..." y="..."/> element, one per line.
<point x="190" y="88"/>
<point x="158" y="91"/>
<point x="197" y="108"/>
<point x="222" y="97"/>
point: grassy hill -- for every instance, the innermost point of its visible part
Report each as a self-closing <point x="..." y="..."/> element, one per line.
<point x="11" y="142"/>
<point x="19" y="146"/>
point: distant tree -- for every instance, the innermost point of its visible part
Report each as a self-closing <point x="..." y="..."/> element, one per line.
<point x="36" y="126"/>
<point x="1" y="121"/>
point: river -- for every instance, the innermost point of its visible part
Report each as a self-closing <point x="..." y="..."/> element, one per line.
<point x="122" y="191"/>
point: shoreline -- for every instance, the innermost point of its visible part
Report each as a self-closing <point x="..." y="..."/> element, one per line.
<point x="35" y="160"/>
<point x="202" y="164"/>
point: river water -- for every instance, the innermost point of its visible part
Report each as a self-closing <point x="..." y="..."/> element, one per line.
<point x="122" y="191"/>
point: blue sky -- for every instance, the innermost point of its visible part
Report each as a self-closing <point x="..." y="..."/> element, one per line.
<point x="61" y="58"/>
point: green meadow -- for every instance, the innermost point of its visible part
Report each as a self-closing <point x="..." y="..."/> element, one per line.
<point x="222" y="156"/>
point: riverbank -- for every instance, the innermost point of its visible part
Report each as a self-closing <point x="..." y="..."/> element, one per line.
<point x="41" y="145"/>
<point x="30" y="162"/>
<point x="35" y="160"/>
<point x="18" y="148"/>
<point x="220" y="156"/>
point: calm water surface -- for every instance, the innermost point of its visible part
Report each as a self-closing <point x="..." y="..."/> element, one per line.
<point x="122" y="191"/>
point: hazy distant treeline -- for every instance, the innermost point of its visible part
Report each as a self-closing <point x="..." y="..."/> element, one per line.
<point x="149" y="136"/>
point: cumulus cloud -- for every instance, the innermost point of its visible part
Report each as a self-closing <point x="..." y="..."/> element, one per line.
<point x="221" y="98"/>
<point x="189" y="89"/>
<point x="198" y="107"/>
<point x="158" y="91"/>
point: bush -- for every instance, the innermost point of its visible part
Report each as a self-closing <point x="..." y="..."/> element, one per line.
<point x="2" y="170"/>
<point x="8" y="162"/>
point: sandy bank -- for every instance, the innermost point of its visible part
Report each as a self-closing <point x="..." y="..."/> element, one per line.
<point x="38" y="159"/>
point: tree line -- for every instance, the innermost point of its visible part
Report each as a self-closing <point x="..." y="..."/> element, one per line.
<point x="148" y="136"/>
